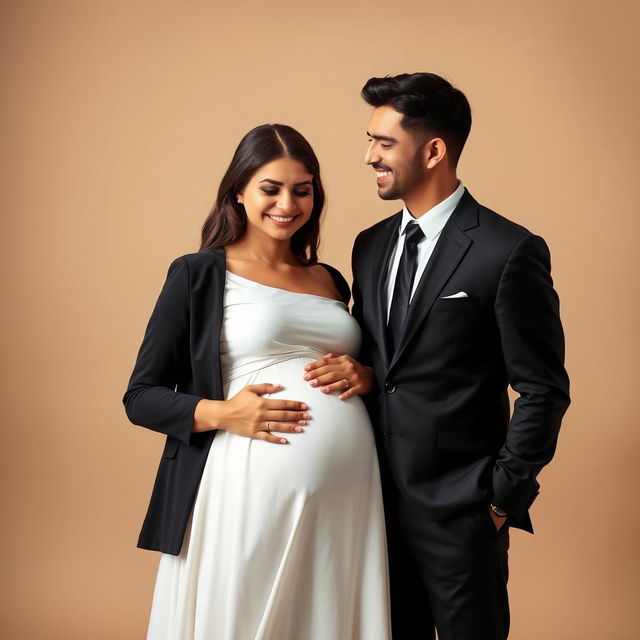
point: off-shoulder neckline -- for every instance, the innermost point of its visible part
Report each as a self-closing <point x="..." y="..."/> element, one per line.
<point x="298" y="293"/>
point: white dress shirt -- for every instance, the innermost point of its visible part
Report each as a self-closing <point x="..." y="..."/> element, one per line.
<point x="431" y="223"/>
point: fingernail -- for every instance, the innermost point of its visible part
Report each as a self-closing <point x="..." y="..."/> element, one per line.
<point x="306" y="416"/>
<point x="302" y="422"/>
<point x="283" y="441"/>
<point x="298" y="429"/>
<point x="307" y="376"/>
<point x="314" y="383"/>
<point x="341" y="397"/>
<point x="307" y="368"/>
<point x="324" y="390"/>
<point x="304" y="406"/>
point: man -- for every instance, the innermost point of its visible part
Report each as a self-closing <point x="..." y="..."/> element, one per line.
<point x="455" y="303"/>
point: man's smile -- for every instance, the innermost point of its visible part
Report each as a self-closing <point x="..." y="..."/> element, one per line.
<point x="382" y="173"/>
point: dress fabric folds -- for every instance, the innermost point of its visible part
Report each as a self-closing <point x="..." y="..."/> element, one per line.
<point x="285" y="542"/>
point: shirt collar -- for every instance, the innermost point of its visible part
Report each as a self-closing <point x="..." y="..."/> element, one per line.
<point x="433" y="220"/>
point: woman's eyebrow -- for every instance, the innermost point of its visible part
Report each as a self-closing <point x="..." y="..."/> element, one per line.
<point x="279" y="184"/>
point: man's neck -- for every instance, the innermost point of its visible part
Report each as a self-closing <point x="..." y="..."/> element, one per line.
<point x="427" y="196"/>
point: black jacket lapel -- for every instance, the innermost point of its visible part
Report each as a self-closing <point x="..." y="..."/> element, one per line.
<point x="385" y="245"/>
<point x="447" y="254"/>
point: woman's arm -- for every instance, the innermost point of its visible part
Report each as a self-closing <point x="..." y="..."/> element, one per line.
<point x="151" y="399"/>
<point x="250" y="415"/>
<point x="332" y="373"/>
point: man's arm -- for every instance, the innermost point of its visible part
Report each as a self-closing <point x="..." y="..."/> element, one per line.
<point x="364" y="356"/>
<point x="527" y="313"/>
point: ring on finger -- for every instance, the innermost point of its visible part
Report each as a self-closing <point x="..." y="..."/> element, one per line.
<point x="347" y="384"/>
<point x="268" y="427"/>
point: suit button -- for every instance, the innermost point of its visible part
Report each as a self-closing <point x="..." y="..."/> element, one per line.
<point x="389" y="387"/>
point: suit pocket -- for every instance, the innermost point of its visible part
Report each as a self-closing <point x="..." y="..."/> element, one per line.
<point x="454" y="305"/>
<point x="170" y="447"/>
<point x="492" y="525"/>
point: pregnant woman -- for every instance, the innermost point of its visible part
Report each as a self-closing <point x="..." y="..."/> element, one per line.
<point x="266" y="506"/>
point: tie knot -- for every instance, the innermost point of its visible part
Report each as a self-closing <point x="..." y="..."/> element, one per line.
<point x="413" y="234"/>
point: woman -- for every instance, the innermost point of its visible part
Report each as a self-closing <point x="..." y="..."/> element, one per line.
<point x="259" y="539"/>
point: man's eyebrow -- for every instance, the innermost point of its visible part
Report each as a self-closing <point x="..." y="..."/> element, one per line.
<point x="385" y="138"/>
<point x="279" y="184"/>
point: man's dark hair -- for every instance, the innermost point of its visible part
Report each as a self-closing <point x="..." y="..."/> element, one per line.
<point x="427" y="102"/>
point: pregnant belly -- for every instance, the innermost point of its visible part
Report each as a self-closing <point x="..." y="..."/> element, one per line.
<point x="335" y="450"/>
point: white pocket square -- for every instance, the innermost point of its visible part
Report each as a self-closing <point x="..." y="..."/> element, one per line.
<point x="460" y="294"/>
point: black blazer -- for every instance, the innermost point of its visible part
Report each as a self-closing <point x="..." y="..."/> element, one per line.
<point x="178" y="365"/>
<point x="441" y="410"/>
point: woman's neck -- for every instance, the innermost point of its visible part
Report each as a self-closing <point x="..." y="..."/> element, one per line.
<point x="265" y="250"/>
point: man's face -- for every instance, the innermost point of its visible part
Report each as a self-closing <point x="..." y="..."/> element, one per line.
<point x="395" y="155"/>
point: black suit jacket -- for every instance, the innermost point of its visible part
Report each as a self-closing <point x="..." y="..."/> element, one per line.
<point x="441" y="410"/>
<point x="177" y="366"/>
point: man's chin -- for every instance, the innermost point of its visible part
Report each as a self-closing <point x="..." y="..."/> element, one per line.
<point x="389" y="194"/>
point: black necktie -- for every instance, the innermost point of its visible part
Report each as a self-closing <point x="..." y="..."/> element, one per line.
<point x="404" y="283"/>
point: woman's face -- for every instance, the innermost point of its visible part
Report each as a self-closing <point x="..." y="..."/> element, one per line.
<point x="278" y="198"/>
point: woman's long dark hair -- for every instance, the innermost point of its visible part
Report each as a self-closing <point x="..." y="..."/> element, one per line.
<point x="228" y="220"/>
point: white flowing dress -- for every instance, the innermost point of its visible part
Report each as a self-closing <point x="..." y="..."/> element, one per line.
<point x="285" y="542"/>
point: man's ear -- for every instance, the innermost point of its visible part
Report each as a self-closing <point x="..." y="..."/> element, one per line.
<point x="434" y="152"/>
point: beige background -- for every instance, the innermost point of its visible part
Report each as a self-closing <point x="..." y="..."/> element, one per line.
<point x="118" y="120"/>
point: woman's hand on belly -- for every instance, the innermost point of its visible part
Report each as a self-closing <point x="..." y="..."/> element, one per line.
<point x="339" y="373"/>
<point x="250" y="415"/>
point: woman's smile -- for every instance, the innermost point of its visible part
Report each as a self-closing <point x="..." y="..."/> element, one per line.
<point x="281" y="221"/>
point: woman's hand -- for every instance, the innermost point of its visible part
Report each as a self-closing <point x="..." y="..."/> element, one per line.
<point x="340" y="373"/>
<point x="249" y="415"/>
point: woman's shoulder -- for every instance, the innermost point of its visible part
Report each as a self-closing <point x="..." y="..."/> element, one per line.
<point x="212" y="258"/>
<point x="331" y="275"/>
<point x="193" y="269"/>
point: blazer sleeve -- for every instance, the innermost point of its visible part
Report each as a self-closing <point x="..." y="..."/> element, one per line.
<point x="527" y="313"/>
<point x="341" y="284"/>
<point x="151" y="399"/>
<point x="364" y="357"/>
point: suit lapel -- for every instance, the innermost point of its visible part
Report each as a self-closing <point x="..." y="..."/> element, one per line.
<point x="447" y="254"/>
<point x="381" y="258"/>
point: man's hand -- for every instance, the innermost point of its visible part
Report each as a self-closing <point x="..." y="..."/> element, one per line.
<point x="336" y="373"/>
<point x="497" y="520"/>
